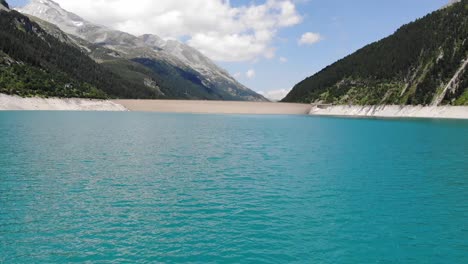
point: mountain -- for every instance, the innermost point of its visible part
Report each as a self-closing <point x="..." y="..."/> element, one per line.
<point x="36" y="63"/>
<point x="451" y="2"/>
<point x="4" y="5"/>
<point x="181" y="70"/>
<point x="424" y="62"/>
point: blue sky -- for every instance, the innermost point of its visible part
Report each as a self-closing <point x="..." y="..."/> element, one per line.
<point x="345" y="26"/>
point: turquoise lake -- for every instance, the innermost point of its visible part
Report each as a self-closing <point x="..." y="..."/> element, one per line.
<point x="180" y="188"/>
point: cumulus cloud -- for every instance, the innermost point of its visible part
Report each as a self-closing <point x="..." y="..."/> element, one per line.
<point x="215" y="27"/>
<point x="275" y="95"/>
<point x="250" y="74"/>
<point x="310" y="38"/>
<point x="283" y="59"/>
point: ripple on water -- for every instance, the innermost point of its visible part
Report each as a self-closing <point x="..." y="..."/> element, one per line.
<point x="139" y="187"/>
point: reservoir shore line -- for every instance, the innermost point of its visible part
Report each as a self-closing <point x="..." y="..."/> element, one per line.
<point x="215" y="107"/>
<point x="13" y="103"/>
<point x="392" y="111"/>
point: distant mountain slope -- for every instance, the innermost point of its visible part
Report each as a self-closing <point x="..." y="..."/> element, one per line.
<point x="210" y="82"/>
<point x="168" y="81"/>
<point x="424" y="62"/>
<point x="4" y="5"/>
<point x="35" y="63"/>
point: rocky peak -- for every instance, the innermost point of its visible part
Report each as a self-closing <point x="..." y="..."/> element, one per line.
<point x="52" y="12"/>
<point x="153" y="41"/>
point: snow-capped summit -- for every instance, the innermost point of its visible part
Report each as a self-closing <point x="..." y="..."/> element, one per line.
<point x="146" y="46"/>
<point x="153" y="41"/>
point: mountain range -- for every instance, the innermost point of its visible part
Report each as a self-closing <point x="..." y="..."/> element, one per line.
<point x="423" y="63"/>
<point x="48" y="51"/>
<point x="153" y="67"/>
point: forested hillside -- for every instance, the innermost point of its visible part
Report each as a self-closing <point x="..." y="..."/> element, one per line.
<point x="424" y="62"/>
<point x="34" y="63"/>
<point x="4" y="3"/>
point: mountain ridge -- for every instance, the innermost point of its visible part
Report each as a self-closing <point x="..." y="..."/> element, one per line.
<point x="423" y="62"/>
<point x="36" y="63"/>
<point x="148" y="46"/>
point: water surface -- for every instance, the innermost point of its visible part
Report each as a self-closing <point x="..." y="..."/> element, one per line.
<point x="146" y="187"/>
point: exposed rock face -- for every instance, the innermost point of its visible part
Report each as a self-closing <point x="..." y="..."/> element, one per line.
<point x="8" y="102"/>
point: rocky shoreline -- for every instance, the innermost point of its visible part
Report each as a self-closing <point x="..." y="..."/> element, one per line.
<point x="392" y="111"/>
<point x="12" y="103"/>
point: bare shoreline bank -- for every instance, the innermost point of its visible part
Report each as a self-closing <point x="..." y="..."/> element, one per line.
<point x="392" y="111"/>
<point x="13" y="103"/>
<point x="16" y="103"/>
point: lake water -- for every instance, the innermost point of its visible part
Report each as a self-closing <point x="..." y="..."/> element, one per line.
<point x="145" y="187"/>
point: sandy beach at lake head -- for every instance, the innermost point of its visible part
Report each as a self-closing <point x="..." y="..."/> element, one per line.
<point x="215" y="107"/>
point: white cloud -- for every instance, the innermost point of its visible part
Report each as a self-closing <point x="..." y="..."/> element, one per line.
<point x="275" y="95"/>
<point x="237" y="75"/>
<point x="250" y="73"/>
<point x="310" y="38"/>
<point x="215" y="27"/>
<point x="283" y="59"/>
